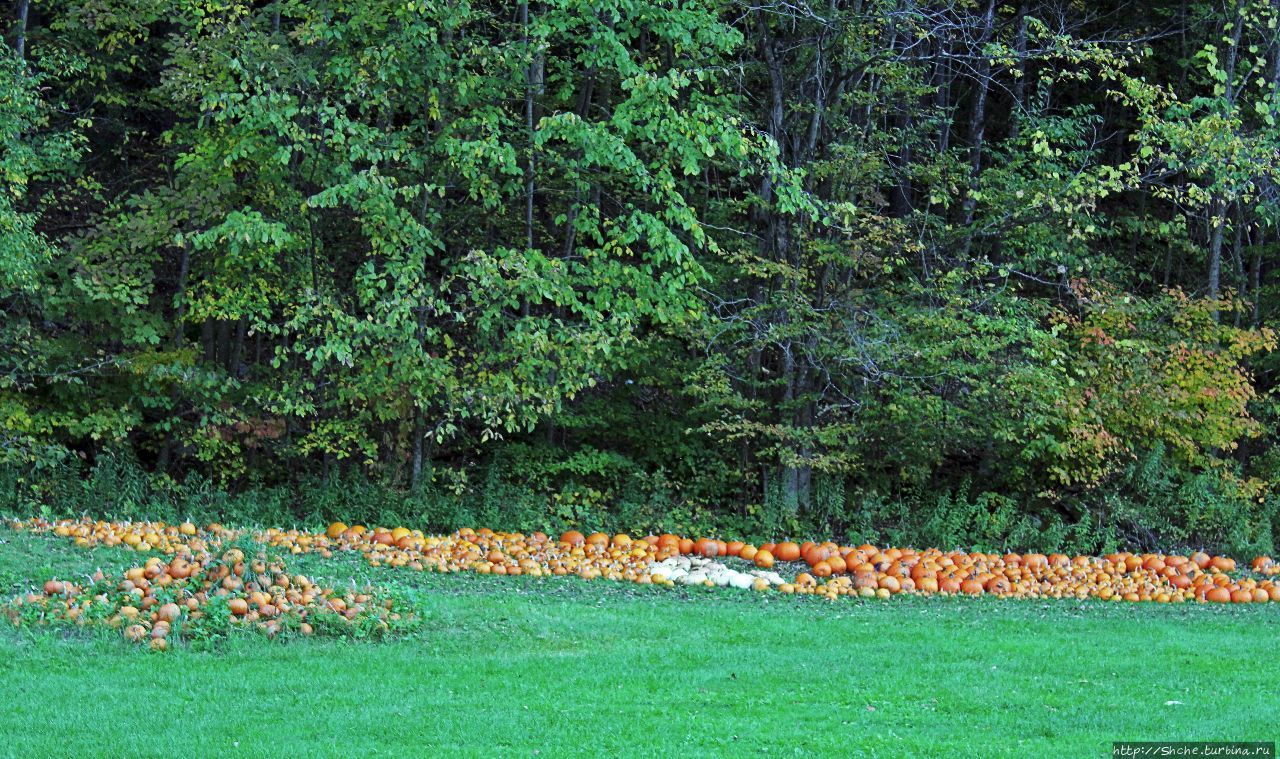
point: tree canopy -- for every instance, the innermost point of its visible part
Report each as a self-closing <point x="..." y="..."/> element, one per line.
<point x="968" y="271"/>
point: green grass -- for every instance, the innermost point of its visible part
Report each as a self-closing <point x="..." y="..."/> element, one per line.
<point x="522" y="667"/>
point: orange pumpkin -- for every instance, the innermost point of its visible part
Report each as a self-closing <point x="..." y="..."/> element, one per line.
<point x="787" y="551"/>
<point x="1223" y="564"/>
<point x="1218" y="594"/>
<point x="814" y="554"/>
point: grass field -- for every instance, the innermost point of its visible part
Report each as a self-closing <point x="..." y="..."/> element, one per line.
<point x="564" y="667"/>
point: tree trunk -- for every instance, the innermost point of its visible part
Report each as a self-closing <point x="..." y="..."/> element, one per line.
<point x="1221" y="204"/>
<point x="776" y="235"/>
<point x="223" y="349"/>
<point x="978" y="120"/>
<point x="1233" y="52"/>
<point x="902" y="200"/>
<point x="207" y="343"/>
<point x="1219" y="222"/>
<point x="1255" y="275"/>
<point x="1237" y="259"/>
<point x="790" y="472"/>
<point x="532" y="80"/>
<point x="415" y="471"/>
<point x="586" y="91"/>
<point x="1183" y="50"/>
<point x="1275" y="65"/>
<point x="20" y="43"/>
<point x="1020" y="80"/>
<point x="236" y="354"/>
<point x="942" y="93"/>
<point x="180" y="313"/>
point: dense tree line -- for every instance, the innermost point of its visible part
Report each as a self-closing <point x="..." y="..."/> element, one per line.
<point x="967" y="271"/>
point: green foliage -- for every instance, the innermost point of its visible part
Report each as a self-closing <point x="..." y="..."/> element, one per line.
<point x="1158" y="503"/>
<point x="910" y="272"/>
<point x="1130" y="374"/>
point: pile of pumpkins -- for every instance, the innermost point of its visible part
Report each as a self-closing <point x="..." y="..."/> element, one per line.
<point x="827" y="569"/>
<point x="198" y="593"/>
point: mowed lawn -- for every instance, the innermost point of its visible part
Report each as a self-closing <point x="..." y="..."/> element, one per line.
<point x="522" y="667"/>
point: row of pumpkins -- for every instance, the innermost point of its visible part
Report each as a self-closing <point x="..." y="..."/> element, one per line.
<point x="825" y="568"/>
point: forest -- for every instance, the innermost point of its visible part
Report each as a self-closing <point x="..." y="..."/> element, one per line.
<point x="963" y="273"/>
